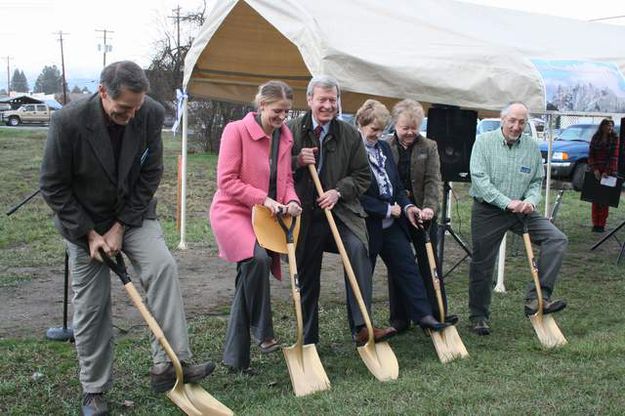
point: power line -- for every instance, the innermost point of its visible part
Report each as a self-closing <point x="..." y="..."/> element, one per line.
<point x="607" y="18"/>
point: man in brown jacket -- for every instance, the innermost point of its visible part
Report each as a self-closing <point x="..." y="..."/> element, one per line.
<point x="338" y="153"/>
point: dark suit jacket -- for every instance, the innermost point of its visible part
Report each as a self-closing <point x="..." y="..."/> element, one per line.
<point x="345" y="168"/>
<point x="376" y="207"/>
<point x="79" y="179"/>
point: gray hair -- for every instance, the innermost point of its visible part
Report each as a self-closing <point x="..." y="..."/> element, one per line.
<point x="124" y="74"/>
<point x="323" y="81"/>
<point x="506" y="110"/>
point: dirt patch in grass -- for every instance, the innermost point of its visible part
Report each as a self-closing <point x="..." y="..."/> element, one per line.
<point x="30" y="308"/>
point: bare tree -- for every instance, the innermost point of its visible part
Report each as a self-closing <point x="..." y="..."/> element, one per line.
<point x="207" y="118"/>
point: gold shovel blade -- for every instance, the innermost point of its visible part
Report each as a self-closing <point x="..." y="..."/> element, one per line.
<point x="448" y="344"/>
<point x="305" y="369"/>
<point x="195" y="401"/>
<point x="380" y="360"/>
<point x="547" y="330"/>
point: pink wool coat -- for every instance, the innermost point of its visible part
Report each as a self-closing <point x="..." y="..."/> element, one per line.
<point x="243" y="181"/>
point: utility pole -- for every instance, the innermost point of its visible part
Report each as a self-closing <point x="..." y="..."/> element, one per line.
<point x="105" y="47"/>
<point x="8" y="59"/>
<point x="60" y="33"/>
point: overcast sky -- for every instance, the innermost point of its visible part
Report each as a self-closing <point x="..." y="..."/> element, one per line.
<point x="29" y="29"/>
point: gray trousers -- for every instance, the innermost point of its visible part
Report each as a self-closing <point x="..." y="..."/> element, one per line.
<point x="156" y="272"/>
<point x="488" y="226"/>
<point x="250" y="310"/>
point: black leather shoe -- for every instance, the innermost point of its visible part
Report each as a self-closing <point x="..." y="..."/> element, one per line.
<point x="429" y="322"/>
<point x="549" y="306"/>
<point x="400" y="326"/>
<point x="93" y="404"/>
<point x="451" y="319"/>
<point x="163" y="376"/>
<point x="481" y="327"/>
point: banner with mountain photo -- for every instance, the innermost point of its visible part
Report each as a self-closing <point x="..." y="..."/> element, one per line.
<point x="582" y="86"/>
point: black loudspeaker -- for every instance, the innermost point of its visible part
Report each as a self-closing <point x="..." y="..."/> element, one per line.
<point x="621" y="153"/>
<point x="453" y="130"/>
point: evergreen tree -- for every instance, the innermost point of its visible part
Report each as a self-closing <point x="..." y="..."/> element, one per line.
<point x="19" y="82"/>
<point x="49" y="81"/>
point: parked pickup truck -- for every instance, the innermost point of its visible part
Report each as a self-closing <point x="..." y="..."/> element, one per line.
<point x="27" y="114"/>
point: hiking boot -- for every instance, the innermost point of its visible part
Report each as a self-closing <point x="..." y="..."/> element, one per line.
<point x="163" y="376"/>
<point x="549" y="306"/>
<point x="93" y="404"/>
<point x="481" y="327"/>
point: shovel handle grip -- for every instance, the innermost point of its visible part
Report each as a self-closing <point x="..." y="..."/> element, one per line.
<point x="288" y="231"/>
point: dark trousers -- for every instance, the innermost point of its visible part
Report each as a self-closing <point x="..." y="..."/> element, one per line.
<point x="394" y="248"/>
<point x="488" y="226"/>
<point x="309" y="256"/>
<point x="250" y="310"/>
<point x="398" y="307"/>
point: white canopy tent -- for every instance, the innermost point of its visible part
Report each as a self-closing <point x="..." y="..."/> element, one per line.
<point x="435" y="51"/>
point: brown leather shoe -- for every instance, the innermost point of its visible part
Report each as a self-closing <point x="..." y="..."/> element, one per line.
<point x="379" y="334"/>
<point x="163" y="376"/>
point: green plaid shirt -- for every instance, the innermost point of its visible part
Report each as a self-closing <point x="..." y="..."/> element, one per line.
<point x="502" y="173"/>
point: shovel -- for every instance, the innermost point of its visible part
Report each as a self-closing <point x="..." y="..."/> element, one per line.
<point x="191" y="398"/>
<point x="379" y="358"/>
<point x="305" y="368"/>
<point x="447" y="342"/>
<point x="547" y="330"/>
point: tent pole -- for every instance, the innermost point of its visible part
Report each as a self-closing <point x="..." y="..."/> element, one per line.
<point x="183" y="187"/>
<point x="549" y="151"/>
<point x="501" y="265"/>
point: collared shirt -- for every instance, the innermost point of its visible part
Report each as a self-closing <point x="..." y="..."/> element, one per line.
<point x="501" y="173"/>
<point x="325" y="128"/>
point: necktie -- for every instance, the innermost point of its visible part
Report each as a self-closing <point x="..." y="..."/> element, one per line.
<point x="317" y="132"/>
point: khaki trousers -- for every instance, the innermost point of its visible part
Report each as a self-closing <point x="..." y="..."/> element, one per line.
<point x="156" y="271"/>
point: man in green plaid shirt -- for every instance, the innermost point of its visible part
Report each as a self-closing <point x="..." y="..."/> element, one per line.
<point x="506" y="179"/>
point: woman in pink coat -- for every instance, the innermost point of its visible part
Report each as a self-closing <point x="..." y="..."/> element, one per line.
<point x="254" y="167"/>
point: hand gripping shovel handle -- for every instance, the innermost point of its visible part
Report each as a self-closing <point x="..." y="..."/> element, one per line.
<point x="434" y="271"/>
<point x="119" y="268"/>
<point x="346" y="263"/>
<point x="532" y="261"/>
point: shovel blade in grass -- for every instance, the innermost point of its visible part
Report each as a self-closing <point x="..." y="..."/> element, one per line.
<point x="547" y="331"/>
<point x="380" y="360"/>
<point x="305" y="369"/>
<point x="195" y="401"/>
<point x="448" y="344"/>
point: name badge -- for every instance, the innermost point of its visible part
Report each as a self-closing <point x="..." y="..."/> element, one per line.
<point x="525" y="169"/>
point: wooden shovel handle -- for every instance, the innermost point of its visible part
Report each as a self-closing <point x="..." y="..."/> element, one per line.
<point x="435" y="280"/>
<point x="346" y="263"/>
<point x="533" y="269"/>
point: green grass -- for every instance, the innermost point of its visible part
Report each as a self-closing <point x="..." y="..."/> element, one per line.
<point x="507" y="373"/>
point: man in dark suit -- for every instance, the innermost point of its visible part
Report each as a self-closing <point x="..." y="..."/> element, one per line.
<point x="384" y="202"/>
<point x="101" y="167"/>
<point x="337" y="151"/>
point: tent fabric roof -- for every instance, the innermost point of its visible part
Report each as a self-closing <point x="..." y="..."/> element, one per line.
<point x="435" y="51"/>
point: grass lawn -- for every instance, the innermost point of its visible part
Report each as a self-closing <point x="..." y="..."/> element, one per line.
<point x="507" y="373"/>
